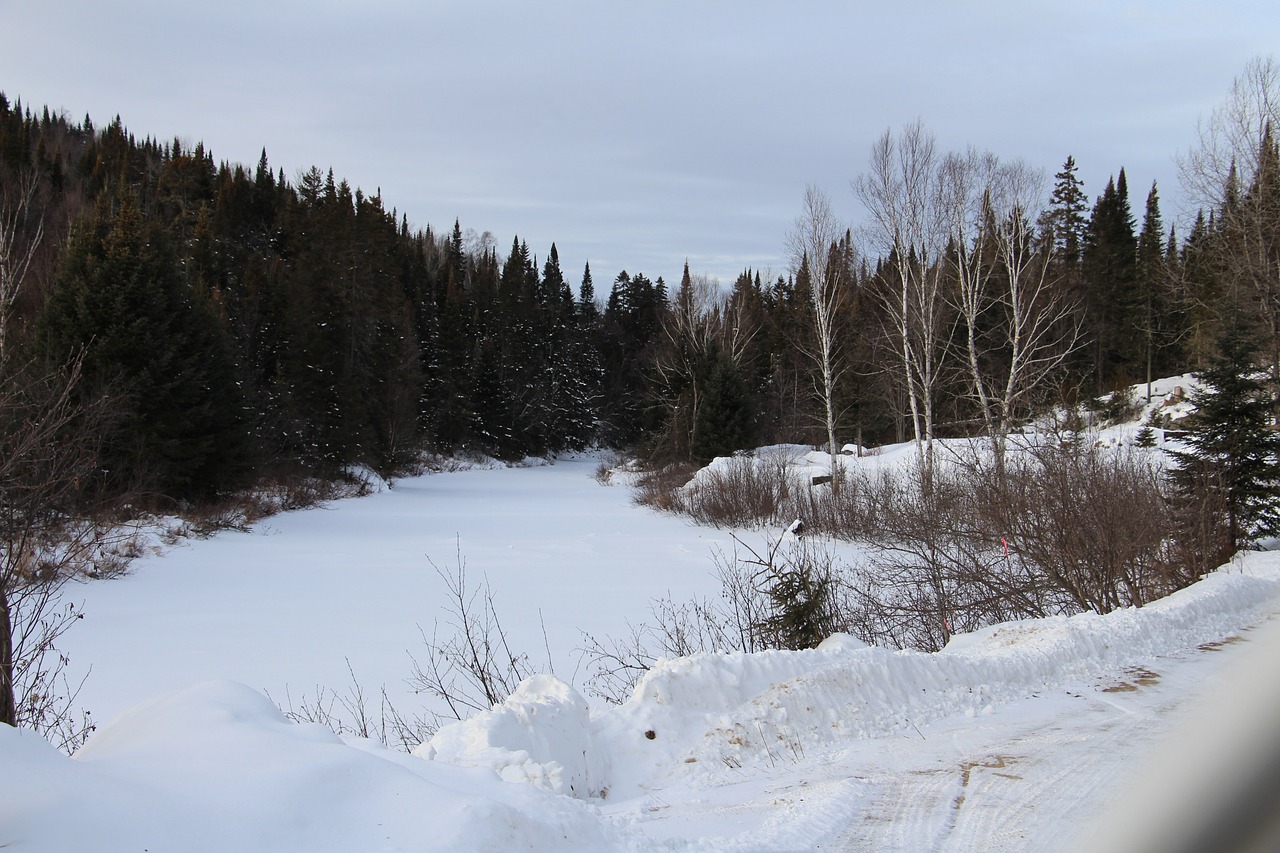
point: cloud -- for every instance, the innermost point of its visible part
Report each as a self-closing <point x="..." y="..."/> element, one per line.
<point x="638" y="135"/>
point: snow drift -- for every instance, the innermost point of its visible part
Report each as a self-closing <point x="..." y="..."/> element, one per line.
<point x="701" y="714"/>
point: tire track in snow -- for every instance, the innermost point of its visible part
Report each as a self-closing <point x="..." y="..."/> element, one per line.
<point x="1029" y="788"/>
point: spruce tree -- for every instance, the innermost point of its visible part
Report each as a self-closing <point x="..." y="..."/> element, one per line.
<point x="1159" y="322"/>
<point x="1231" y="448"/>
<point x="1065" y="216"/>
<point x="154" y="343"/>
<point x="587" y="307"/>
<point x="1109" y="267"/>
<point x="726" y="420"/>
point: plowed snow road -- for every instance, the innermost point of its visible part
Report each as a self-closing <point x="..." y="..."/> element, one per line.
<point x="1031" y="775"/>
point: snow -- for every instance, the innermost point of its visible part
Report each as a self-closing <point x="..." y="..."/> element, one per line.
<point x="1018" y="736"/>
<point x="216" y="767"/>
<point x="286" y="606"/>
<point x="697" y="715"/>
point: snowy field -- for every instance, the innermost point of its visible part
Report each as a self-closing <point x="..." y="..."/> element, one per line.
<point x="283" y="608"/>
<point x="1019" y="737"/>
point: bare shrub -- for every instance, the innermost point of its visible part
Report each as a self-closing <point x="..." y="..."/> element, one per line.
<point x="1055" y="528"/>
<point x="782" y="595"/>
<point x="50" y="533"/>
<point x="740" y="492"/>
<point x="470" y="667"/>
<point x="1095" y="522"/>
<point x="45" y="697"/>
<point x="676" y="630"/>
<point x="840" y="512"/>
<point x="351" y="713"/>
<point x="660" y="488"/>
<point x="931" y="569"/>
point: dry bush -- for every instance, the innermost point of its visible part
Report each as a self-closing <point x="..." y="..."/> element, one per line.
<point x="351" y="713"/>
<point x="930" y="569"/>
<point x="839" y="512"/>
<point x="1053" y="529"/>
<point x="749" y="492"/>
<point x="54" y="527"/>
<point x="469" y="665"/>
<point x="274" y="494"/>
<point x="660" y="488"/>
<point x="1095" y="522"/>
<point x="782" y="595"/>
<point x="742" y="492"/>
<point x="674" y="630"/>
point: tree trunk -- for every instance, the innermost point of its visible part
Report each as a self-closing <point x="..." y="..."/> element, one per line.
<point x="8" y="703"/>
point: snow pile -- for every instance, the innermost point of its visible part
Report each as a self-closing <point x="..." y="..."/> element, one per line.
<point x="712" y="713"/>
<point x="540" y="734"/>
<point x="801" y="465"/>
<point x="216" y="767"/>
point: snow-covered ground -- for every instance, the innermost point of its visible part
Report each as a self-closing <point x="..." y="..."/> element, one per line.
<point x="1018" y="737"/>
<point x="285" y="607"/>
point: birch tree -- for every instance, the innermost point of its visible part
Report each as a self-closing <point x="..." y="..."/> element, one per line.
<point x="1003" y="276"/>
<point x="814" y="248"/>
<point x="902" y="195"/>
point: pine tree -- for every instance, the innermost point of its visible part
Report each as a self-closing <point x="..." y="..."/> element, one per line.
<point x="1231" y="449"/>
<point x="1065" y="216"/>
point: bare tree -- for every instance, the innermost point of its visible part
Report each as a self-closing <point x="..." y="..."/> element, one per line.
<point x="1001" y="271"/>
<point x="966" y="194"/>
<point x="814" y="245"/>
<point x="902" y="195"/>
<point x="1041" y="324"/>
<point x="48" y="535"/>
<point x="691" y="332"/>
<point x="20" y="235"/>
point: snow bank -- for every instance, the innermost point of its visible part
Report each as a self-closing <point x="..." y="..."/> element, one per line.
<point x="217" y="767"/>
<point x="540" y="734"/>
<point x="712" y="713"/>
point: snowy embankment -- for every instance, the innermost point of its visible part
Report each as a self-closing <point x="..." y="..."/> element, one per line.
<point x="699" y="715"/>
<point x="216" y="766"/>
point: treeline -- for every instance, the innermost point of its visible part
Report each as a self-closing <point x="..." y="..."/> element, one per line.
<point x="246" y="325"/>
<point x="249" y="326"/>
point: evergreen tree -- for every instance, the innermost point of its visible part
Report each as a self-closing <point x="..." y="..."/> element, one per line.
<point x="1231" y="448"/>
<point x="1065" y="217"/>
<point x="155" y="343"/>
<point x="1109" y="268"/>
<point x="725" y="419"/>
<point x="1158" y="317"/>
<point x="1200" y="291"/>
<point x="587" y="297"/>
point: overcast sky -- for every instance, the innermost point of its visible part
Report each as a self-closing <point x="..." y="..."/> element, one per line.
<point x="639" y="135"/>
